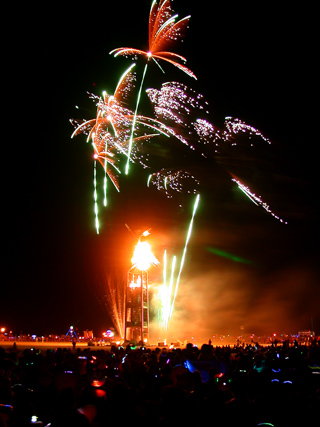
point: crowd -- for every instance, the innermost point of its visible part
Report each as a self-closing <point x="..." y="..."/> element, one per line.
<point x="217" y="386"/>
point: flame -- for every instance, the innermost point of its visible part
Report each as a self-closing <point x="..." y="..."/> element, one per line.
<point x="143" y="257"/>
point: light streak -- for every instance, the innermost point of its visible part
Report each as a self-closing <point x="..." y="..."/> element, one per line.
<point x="163" y="31"/>
<point x="165" y="293"/>
<point x="168" y="180"/>
<point x="135" y="118"/>
<point x="114" y="292"/>
<point x="185" y="250"/>
<point x="95" y="196"/>
<point x="116" y="127"/>
<point x="256" y="199"/>
<point x="169" y="292"/>
<point x="177" y="104"/>
<point x="119" y="130"/>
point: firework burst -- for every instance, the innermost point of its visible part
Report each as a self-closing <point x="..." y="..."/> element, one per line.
<point x="110" y="130"/>
<point x="257" y="200"/>
<point x="169" y="289"/>
<point x="180" y="106"/>
<point x="179" y="181"/>
<point x="186" y="113"/>
<point x="111" y="133"/>
<point x="164" y="32"/>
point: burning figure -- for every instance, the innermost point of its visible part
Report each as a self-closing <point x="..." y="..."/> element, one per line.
<point x="137" y="299"/>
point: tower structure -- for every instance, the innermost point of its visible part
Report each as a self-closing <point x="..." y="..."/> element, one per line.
<point x="136" y="324"/>
<point x="137" y="306"/>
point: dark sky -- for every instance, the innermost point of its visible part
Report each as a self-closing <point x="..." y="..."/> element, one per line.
<point x="257" y="64"/>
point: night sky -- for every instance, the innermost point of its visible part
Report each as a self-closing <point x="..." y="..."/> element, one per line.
<point x="243" y="267"/>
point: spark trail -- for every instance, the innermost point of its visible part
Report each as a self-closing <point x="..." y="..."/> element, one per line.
<point x="163" y="31"/>
<point x="169" y="180"/>
<point x="134" y="119"/>
<point x="256" y="199"/>
<point x="112" y="131"/>
<point x="186" y="113"/>
<point x="169" y="291"/>
<point x="185" y="250"/>
<point x="115" y="301"/>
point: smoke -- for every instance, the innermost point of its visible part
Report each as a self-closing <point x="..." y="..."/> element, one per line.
<point x="225" y="297"/>
<point x="245" y="273"/>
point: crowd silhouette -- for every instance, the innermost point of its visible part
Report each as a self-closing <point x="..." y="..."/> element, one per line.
<point x="246" y="385"/>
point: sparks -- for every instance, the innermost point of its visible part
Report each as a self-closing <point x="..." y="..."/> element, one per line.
<point x="168" y="292"/>
<point x="163" y="30"/>
<point x="168" y="180"/>
<point x="114" y="294"/>
<point x="256" y="199"/>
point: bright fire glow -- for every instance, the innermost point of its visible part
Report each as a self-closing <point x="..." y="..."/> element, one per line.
<point x="143" y="257"/>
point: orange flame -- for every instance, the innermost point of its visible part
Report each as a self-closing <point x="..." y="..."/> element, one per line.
<point x="143" y="257"/>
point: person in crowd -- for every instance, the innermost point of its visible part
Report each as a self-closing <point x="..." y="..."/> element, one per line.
<point x="279" y="385"/>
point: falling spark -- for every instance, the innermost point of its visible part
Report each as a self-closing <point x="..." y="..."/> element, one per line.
<point x="166" y="293"/>
<point x="134" y="119"/>
<point x="177" y="104"/>
<point x="180" y="181"/>
<point x="180" y="105"/>
<point x="256" y="199"/>
<point x="185" y="250"/>
<point x="118" y="130"/>
<point x="95" y="196"/>
<point x="111" y="130"/>
<point x="115" y="301"/>
<point x="169" y="291"/>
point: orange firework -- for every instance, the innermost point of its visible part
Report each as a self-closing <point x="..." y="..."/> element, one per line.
<point x="110" y="131"/>
<point x="111" y="116"/>
<point x="163" y="32"/>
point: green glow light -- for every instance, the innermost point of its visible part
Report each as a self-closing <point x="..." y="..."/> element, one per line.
<point x="134" y="120"/>
<point x="224" y="254"/>
<point x="195" y="206"/>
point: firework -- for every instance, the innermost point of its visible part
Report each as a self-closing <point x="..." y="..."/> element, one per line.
<point x="110" y="130"/>
<point x="163" y="32"/>
<point x="180" y="106"/>
<point x="115" y="301"/>
<point x="169" y="290"/>
<point x="167" y="180"/>
<point x="166" y="293"/>
<point x="234" y="126"/>
<point x="256" y="199"/>
<point x="111" y="133"/>
<point x="95" y="196"/>
<point x="195" y="206"/>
